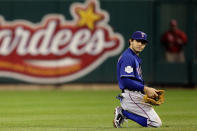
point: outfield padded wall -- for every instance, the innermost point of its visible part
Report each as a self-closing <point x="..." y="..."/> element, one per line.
<point x="125" y="18"/>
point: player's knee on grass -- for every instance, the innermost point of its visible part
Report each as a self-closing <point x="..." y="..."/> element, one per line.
<point x="156" y="123"/>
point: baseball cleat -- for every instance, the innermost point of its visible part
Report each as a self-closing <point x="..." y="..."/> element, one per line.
<point x="118" y="117"/>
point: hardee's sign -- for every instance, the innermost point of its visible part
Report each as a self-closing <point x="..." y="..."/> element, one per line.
<point x="57" y="50"/>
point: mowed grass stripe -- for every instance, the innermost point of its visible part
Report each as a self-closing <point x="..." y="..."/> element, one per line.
<point x="87" y="110"/>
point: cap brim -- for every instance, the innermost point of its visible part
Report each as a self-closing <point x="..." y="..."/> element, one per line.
<point x="142" y="40"/>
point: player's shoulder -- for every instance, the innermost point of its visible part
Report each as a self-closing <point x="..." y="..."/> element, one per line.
<point x="127" y="55"/>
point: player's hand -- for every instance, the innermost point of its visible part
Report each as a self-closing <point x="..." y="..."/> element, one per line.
<point x="179" y="41"/>
<point x="150" y="92"/>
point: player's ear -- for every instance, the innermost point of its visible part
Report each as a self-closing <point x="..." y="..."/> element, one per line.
<point x="130" y="40"/>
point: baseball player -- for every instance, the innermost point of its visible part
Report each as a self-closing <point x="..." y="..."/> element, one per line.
<point x="132" y="85"/>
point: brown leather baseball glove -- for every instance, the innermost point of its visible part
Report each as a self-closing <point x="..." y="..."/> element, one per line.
<point x="155" y="101"/>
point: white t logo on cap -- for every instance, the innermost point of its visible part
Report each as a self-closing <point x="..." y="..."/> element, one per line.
<point x="143" y="34"/>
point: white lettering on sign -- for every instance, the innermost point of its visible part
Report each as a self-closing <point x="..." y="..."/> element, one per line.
<point x="57" y="50"/>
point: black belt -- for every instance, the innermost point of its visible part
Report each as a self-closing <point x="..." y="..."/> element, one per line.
<point x="123" y="90"/>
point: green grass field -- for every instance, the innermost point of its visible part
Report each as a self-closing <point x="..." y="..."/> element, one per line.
<point x="88" y="110"/>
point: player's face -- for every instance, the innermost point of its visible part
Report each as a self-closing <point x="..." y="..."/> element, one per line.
<point x="137" y="45"/>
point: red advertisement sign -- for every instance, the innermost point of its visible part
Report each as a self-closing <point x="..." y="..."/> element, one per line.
<point x="57" y="50"/>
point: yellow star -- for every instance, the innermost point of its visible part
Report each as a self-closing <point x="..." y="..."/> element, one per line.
<point x="88" y="16"/>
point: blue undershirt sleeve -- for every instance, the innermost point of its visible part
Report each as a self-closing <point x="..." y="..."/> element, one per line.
<point x="132" y="84"/>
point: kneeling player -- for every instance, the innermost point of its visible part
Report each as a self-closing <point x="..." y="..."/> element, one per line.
<point x="132" y="85"/>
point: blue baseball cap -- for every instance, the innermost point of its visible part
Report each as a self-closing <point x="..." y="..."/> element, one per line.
<point x="139" y="35"/>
